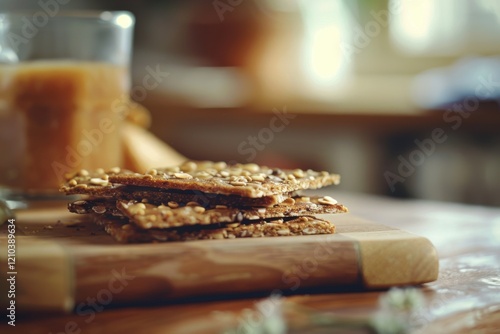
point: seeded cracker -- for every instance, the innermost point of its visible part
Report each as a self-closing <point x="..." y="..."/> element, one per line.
<point x="247" y="180"/>
<point x="203" y="200"/>
<point x="146" y="215"/>
<point x="155" y="195"/>
<point x="124" y="232"/>
<point x="96" y="184"/>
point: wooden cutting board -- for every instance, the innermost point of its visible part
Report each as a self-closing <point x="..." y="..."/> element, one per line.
<point x="64" y="263"/>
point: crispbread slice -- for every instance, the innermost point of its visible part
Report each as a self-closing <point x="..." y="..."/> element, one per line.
<point x="96" y="184"/>
<point x="124" y="232"/>
<point x="246" y="180"/>
<point x="155" y="195"/>
<point x="147" y="215"/>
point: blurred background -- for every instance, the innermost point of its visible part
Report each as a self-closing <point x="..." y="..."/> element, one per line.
<point x="401" y="97"/>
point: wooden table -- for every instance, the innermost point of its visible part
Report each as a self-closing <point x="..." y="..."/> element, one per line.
<point x="465" y="298"/>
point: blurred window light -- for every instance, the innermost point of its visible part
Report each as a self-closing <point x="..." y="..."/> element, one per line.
<point x="324" y="59"/>
<point x="423" y="26"/>
<point x="445" y="27"/>
<point x="415" y="19"/>
<point x="326" y="29"/>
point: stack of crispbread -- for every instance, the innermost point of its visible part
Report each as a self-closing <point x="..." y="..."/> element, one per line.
<point x="203" y="200"/>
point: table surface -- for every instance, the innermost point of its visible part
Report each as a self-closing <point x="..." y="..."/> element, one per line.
<point x="465" y="298"/>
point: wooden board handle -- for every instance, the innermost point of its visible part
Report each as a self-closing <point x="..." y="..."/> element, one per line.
<point x="390" y="258"/>
<point x="44" y="279"/>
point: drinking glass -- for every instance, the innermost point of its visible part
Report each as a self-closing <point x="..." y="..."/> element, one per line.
<point x="62" y="76"/>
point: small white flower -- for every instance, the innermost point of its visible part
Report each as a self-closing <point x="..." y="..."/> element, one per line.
<point x="272" y="311"/>
<point x="396" y="309"/>
<point x="397" y="299"/>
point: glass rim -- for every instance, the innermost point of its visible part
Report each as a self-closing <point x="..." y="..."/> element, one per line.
<point x="122" y="18"/>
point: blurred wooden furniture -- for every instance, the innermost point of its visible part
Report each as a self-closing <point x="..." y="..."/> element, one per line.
<point x="360" y="145"/>
<point x="464" y="298"/>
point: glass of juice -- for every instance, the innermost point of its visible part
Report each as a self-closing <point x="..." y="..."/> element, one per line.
<point x="61" y="78"/>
